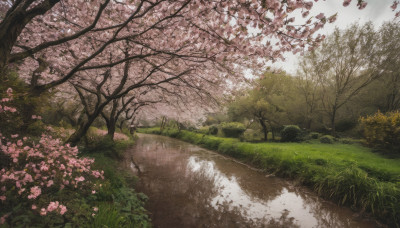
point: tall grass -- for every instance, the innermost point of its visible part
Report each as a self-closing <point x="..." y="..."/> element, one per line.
<point x="119" y="204"/>
<point x="350" y="175"/>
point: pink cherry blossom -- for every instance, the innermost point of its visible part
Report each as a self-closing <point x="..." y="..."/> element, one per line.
<point x="63" y="209"/>
<point x="35" y="192"/>
<point x="43" y="212"/>
<point x="346" y="2"/>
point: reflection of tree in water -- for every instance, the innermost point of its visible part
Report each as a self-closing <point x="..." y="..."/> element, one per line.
<point x="181" y="197"/>
<point x="203" y="191"/>
<point x="283" y="221"/>
<point x="331" y="215"/>
<point x="254" y="183"/>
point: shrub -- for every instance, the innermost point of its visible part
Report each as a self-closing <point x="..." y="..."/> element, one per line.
<point x="345" y="125"/>
<point x="382" y="130"/>
<point x="213" y="130"/>
<point x="327" y="139"/>
<point x="39" y="170"/>
<point x="203" y="130"/>
<point x="35" y="175"/>
<point x="291" y="133"/>
<point x="191" y="128"/>
<point x="103" y="144"/>
<point x="233" y="129"/>
<point x="348" y="141"/>
<point x="314" y="135"/>
<point x="250" y="135"/>
<point x="36" y="128"/>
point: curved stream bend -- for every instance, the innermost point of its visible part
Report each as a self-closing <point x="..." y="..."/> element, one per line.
<point x="192" y="187"/>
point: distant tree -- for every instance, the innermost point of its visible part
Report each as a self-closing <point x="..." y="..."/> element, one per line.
<point x="309" y="89"/>
<point x="345" y="64"/>
<point x="265" y="102"/>
<point x="390" y="50"/>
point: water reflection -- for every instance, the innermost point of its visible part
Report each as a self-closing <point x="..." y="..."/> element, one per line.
<point x="192" y="187"/>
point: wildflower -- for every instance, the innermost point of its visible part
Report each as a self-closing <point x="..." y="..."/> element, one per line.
<point x="43" y="212"/>
<point x="52" y="206"/>
<point x="35" y="192"/>
<point x="63" y="209"/>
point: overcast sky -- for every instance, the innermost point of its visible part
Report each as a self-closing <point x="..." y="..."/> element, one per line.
<point x="377" y="11"/>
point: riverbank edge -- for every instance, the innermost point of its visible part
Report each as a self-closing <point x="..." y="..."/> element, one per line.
<point x="109" y="159"/>
<point x="348" y="187"/>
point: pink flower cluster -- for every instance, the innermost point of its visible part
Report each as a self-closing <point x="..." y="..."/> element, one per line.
<point x="40" y="168"/>
<point x="5" y="108"/>
<point x="53" y="206"/>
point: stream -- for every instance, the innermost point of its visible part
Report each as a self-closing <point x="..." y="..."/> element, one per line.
<point x="189" y="186"/>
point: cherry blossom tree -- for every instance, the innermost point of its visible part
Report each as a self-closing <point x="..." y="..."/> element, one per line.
<point x="128" y="105"/>
<point x="52" y="42"/>
<point x="57" y="39"/>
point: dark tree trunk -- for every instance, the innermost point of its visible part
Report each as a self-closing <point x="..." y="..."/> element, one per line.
<point x="15" y="20"/>
<point x="121" y="125"/>
<point x="84" y="126"/>
<point x="333" y="121"/>
<point x="81" y="131"/>
<point x="273" y="134"/>
<point x="111" y="128"/>
<point x="309" y="123"/>
<point x="265" y="129"/>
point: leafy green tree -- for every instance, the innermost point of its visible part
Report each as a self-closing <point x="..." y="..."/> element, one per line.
<point x="345" y="64"/>
<point x="265" y="102"/>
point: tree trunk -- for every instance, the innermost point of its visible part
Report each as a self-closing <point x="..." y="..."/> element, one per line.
<point x="273" y="134"/>
<point x="333" y="120"/>
<point x="163" y="123"/>
<point x="74" y="139"/>
<point x="121" y="125"/>
<point x="309" y="123"/>
<point x="265" y="129"/>
<point x="111" y="128"/>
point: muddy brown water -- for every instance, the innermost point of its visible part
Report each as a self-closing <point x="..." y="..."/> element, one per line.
<point x="189" y="186"/>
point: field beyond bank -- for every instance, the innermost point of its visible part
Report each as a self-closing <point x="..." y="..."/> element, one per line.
<point x="348" y="174"/>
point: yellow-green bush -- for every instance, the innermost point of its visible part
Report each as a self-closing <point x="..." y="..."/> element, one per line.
<point x="382" y="130"/>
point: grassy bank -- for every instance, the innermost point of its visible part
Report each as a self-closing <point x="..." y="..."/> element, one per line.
<point x="119" y="204"/>
<point x="350" y="175"/>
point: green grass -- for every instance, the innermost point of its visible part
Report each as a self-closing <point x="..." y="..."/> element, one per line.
<point x="119" y="204"/>
<point x="348" y="174"/>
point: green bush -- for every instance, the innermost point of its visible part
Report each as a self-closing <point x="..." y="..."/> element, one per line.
<point x="327" y="139"/>
<point x="233" y="129"/>
<point x="291" y="133"/>
<point x="348" y="141"/>
<point x="202" y="130"/>
<point x="102" y="144"/>
<point x="250" y="135"/>
<point x="382" y="130"/>
<point x="314" y="135"/>
<point x="36" y="128"/>
<point x="213" y="130"/>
